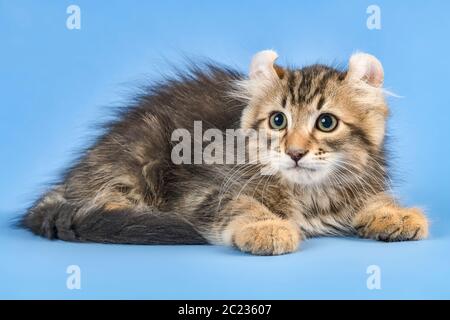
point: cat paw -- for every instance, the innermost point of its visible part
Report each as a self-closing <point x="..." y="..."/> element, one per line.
<point x="268" y="237"/>
<point x="392" y="224"/>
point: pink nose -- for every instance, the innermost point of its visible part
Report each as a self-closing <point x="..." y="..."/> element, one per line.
<point x="296" y="154"/>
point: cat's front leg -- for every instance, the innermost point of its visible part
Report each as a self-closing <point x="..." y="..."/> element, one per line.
<point x="383" y="219"/>
<point x="255" y="229"/>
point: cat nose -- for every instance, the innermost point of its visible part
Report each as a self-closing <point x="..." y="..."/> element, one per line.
<point x="296" y="154"/>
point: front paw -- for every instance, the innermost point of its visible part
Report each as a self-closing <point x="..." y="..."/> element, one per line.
<point x="392" y="224"/>
<point x="268" y="237"/>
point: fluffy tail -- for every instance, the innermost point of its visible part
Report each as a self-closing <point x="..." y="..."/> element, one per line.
<point x="57" y="219"/>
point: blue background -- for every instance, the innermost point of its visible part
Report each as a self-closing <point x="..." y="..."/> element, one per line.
<point x="55" y="83"/>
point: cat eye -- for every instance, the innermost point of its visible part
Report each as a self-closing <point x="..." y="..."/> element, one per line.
<point x="278" y="121"/>
<point x="326" y="122"/>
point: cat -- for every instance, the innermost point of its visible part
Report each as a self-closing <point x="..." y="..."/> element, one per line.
<point x="327" y="172"/>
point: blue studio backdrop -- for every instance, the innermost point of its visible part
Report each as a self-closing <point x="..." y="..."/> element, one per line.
<point x="56" y="80"/>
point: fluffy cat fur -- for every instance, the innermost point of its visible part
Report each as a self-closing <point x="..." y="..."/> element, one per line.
<point x="126" y="189"/>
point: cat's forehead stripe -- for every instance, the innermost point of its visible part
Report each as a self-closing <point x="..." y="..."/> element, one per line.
<point x="321" y="102"/>
<point x="291" y="85"/>
<point x="306" y="84"/>
<point x="283" y="102"/>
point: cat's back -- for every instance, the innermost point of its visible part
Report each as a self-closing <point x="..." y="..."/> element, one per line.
<point x="142" y="133"/>
<point x="201" y="93"/>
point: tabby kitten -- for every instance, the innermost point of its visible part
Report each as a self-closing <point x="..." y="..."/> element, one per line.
<point x="327" y="171"/>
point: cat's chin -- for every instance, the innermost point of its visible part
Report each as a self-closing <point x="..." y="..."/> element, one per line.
<point x="303" y="175"/>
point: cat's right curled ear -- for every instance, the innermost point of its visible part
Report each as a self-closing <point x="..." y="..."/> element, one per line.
<point x="263" y="68"/>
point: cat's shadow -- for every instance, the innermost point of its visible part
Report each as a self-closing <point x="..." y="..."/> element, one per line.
<point x="315" y="244"/>
<point x="306" y="245"/>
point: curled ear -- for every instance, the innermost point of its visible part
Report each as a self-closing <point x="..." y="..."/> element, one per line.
<point x="365" y="67"/>
<point x="263" y="66"/>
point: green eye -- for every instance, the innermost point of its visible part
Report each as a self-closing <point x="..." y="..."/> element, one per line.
<point x="278" y="121"/>
<point x="326" y="122"/>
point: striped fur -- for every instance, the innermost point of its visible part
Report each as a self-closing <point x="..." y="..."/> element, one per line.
<point x="126" y="189"/>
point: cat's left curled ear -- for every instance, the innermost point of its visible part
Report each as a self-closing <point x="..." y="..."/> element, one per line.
<point x="366" y="67"/>
<point x="263" y="66"/>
